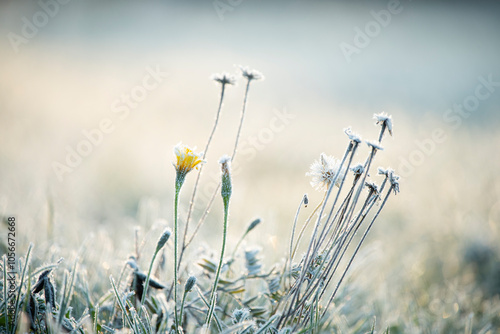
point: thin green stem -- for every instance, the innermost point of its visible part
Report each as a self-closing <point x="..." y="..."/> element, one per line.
<point x="182" y="305"/>
<point x="214" y="289"/>
<point x="146" y="283"/>
<point x="178" y="184"/>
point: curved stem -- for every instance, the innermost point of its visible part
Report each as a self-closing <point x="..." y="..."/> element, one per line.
<point x="182" y="305"/>
<point x="193" y="196"/>
<point x="146" y="283"/>
<point x="301" y="233"/>
<point x="211" y="201"/>
<point x="243" y="109"/>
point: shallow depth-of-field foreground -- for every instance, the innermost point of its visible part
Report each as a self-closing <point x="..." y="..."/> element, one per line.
<point x="352" y="256"/>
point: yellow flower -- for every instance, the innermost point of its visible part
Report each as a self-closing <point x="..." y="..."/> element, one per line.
<point x="187" y="159"/>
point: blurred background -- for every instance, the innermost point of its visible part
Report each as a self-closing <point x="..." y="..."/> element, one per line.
<point x="135" y="77"/>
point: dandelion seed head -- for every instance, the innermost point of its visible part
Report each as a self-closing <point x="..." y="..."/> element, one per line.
<point x="325" y="171"/>
<point x="354" y="137"/>
<point x="224" y="78"/>
<point x="384" y="119"/>
<point x="374" y="144"/>
<point x="250" y="74"/>
<point x="187" y="159"/>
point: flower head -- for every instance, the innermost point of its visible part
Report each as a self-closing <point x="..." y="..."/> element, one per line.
<point x="191" y="281"/>
<point x="224" y="78"/>
<point x="187" y="159"/>
<point x="253" y="224"/>
<point x="352" y="136"/>
<point x="225" y="166"/>
<point x="163" y="239"/>
<point x="251" y="74"/>
<point x="326" y="171"/>
<point x="384" y="120"/>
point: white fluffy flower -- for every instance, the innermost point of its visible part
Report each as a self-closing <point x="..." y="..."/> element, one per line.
<point x="325" y="171"/>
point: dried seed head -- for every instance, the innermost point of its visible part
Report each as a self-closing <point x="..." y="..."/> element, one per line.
<point x="251" y="74"/>
<point x="358" y="169"/>
<point x="387" y="171"/>
<point x="163" y="239"/>
<point x="223" y="78"/>
<point x="374" y="145"/>
<point x="372" y="187"/>
<point x="191" y="281"/>
<point x="394" y="180"/>
<point x="352" y="136"/>
<point x="384" y="120"/>
<point x="326" y="171"/>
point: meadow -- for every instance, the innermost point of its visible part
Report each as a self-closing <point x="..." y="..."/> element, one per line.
<point x="345" y="193"/>
<point x="429" y="265"/>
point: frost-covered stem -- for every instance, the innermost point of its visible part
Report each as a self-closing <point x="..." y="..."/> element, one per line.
<point x="290" y="254"/>
<point x="146" y="283"/>
<point x="182" y="305"/>
<point x="384" y="126"/>
<point x="313" y="237"/>
<point x="343" y="246"/>
<point x="303" y="228"/>
<point x="356" y="251"/>
<point x="352" y="149"/>
<point x="334" y="259"/>
<point x="243" y="109"/>
<point x="309" y="291"/>
<point x="195" y="188"/>
<point x="212" y="198"/>
<point x="179" y="180"/>
<point x="204" y="216"/>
